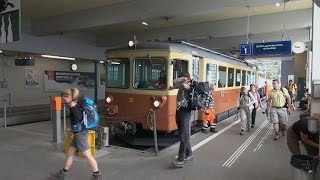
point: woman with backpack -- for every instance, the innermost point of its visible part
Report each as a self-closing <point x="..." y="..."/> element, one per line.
<point x="80" y="138"/>
<point x="245" y="107"/>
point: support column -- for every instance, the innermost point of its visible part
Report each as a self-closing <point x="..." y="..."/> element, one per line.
<point x="56" y="119"/>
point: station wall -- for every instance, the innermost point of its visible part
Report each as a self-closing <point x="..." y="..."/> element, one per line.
<point x="24" y="95"/>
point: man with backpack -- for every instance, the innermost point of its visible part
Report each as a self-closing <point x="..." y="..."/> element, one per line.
<point x="83" y="117"/>
<point x="245" y="106"/>
<point x="183" y="116"/>
<point x="278" y="106"/>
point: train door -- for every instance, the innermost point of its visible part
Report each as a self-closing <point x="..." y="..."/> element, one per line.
<point x="196" y="77"/>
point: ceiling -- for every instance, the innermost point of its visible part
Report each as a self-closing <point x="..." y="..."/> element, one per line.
<point x="112" y="22"/>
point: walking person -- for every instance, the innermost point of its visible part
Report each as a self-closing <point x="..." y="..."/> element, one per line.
<point x="292" y="89"/>
<point x="278" y="106"/>
<point x="257" y="104"/>
<point x="209" y="113"/>
<point x="80" y="139"/>
<point x="183" y="116"/>
<point x="244" y="108"/>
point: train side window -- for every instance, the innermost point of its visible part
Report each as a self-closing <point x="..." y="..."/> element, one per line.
<point x="179" y="66"/>
<point x="248" y="78"/>
<point x="253" y="79"/>
<point x="118" y="73"/>
<point x="150" y="73"/>
<point x="238" y="77"/>
<point x="212" y="74"/>
<point x="230" y="77"/>
<point x="222" y="76"/>
<point x="195" y="67"/>
<point x="244" y="79"/>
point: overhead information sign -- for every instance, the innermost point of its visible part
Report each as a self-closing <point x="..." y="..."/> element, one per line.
<point x="245" y="49"/>
<point x="272" y="48"/>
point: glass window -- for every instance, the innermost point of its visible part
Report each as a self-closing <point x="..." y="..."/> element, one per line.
<point x="248" y="78"/>
<point x="222" y="76"/>
<point x="230" y="77"/>
<point x="195" y="67"/>
<point x="244" y="79"/>
<point x="238" y="77"/>
<point x="118" y="73"/>
<point x="150" y="73"/>
<point x="212" y="74"/>
<point x="253" y="79"/>
<point x="179" y="66"/>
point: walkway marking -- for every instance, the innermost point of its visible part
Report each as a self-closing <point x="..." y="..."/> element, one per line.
<point x="244" y="146"/>
<point x="28" y="131"/>
<point x="268" y="133"/>
<point x="214" y="136"/>
<point x="203" y="142"/>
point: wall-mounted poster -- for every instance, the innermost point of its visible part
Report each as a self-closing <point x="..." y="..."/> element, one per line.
<point x="61" y="80"/>
<point x="31" y="78"/>
<point x="102" y="79"/>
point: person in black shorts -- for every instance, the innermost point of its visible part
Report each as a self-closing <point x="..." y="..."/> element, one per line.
<point x="79" y="141"/>
<point x="299" y="132"/>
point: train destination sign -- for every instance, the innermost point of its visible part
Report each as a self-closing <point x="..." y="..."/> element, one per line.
<point x="272" y="48"/>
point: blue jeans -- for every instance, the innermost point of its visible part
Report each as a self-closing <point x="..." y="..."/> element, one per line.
<point x="183" y="122"/>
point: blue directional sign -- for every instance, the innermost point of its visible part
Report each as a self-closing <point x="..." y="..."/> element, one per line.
<point x="272" y="48"/>
<point x="245" y="49"/>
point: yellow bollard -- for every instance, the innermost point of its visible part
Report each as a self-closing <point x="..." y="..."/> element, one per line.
<point x="91" y="141"/>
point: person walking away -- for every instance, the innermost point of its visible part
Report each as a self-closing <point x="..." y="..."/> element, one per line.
<point x="277" y="107"/>
<point x="183" y="116"/>
<point x="244" y="108"/>
<point x="209" y="113"/>
<point x="267" y="89"/>
<point x="299" y="132"/>
<point x="80" y="139"/>
<point x="257" y="104"/>
<point x="292" y="89"/>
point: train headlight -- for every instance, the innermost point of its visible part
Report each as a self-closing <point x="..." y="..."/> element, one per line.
<point x="109" y="99"/>
<point x="156" y="103"/>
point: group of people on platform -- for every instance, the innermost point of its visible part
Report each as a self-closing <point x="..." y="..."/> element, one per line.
<point x="280" y="102"/>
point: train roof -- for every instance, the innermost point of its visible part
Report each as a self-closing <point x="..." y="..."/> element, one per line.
<point x="184" y="47"/>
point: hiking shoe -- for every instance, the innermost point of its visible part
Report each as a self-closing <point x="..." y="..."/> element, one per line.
<point x="178" y="164"/>
<point x="59" y="175"/>
<point x="242" y="132"/>
<point x="188" y="158"/>
<point x="96" y="177"/>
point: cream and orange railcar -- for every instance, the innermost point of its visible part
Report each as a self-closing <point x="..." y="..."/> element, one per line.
<point x="139" y="79"/>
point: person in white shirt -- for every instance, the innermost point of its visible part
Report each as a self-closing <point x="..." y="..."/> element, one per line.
<point x="257" y="104"/>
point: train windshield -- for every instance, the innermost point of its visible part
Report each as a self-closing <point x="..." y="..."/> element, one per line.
<point x="150" y="73"/>
<point x="118" y="73"/>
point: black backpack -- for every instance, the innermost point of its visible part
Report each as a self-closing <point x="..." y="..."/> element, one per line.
<point x="199" y="91"/>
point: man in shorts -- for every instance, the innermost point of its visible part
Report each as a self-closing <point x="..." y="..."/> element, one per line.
<point x="278" y="107"/>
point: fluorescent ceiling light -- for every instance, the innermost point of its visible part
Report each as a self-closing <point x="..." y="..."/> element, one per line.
<point x="278" y="4"/>
<point x="115" y="63"/>
<point x="58" y="57"/>
<point x="0" y="51"/>
<point x="101" y="62"/>
<point x="145" y="23"/>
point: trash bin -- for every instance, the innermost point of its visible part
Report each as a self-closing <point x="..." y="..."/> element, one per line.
<point x="303" y="167"/>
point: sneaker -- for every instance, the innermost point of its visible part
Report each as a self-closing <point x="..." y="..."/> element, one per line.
<point x="213" y="129"/>
<point x="242" y="132"/>
<point x="188" y="158"/>
<point x="283" y="133"/>
<point x="59" y="175"/>
<point x="252" y="126"/>
<point x="178" y="164"/>
<point x="277" y="136"/>
<point x="96" y="177"/>
<point x="248" y="130"/>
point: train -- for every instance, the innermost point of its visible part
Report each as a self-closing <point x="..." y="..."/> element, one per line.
<point x="139" y="81"/>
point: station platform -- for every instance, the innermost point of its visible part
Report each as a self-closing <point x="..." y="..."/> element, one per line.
<point x="28" y="153"/>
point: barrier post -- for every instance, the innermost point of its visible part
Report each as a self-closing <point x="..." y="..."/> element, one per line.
<point x="56" y="117"/>
<point x="155" y="134"/>
<point x="5" y="114"/>
<point x="64" y="124"/>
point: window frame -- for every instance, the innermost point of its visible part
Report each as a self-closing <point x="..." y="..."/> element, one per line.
<point x="233" y="78"/>
<point x="165" y="60"/>
<point x="127" y="81"/>
<point x="236" y="78"/>
<point x="243" y="82"/>
<point x="226" y="77"/>
<point x="216" y="73"/>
